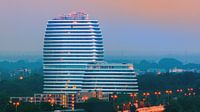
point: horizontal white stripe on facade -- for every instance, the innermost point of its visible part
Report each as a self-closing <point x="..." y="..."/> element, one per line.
<point x="92" y="76"/>
<point x="62" y="79"/>
<point x="59" y="92"/>
<point x="82" y="34"/>
<point x="64" y="72"/>
<point x="89" y="58"/>
<point x="63" y="82"/>
<point x="113" y="73"/>
<point x="134" y="82"/>
<point x="73" y="37"/>
<point x="74" y="57"/>
<point x="63" y="64"/>
<point x="84" y="20"/>
<point x="110" y="76"/>
<point x="61" y="88"/>
<point x="110" y="79"/>
<point x="62" y="68"/>
<point x="68" y="75"/>
<point x="71" y="54"/>
<point x="73" y="27"/>
<point x="81" y="47"/>
<point x="73" y="41"/>
<point x="113" y="86"/>
<point x="74" y="50"/>
<point x="74" y="23"/>
<point x="73" y="30"/>
<point x="122" y="90"/>
<point x="69" y="61"/>
<point x="109" y="72"/>
<point x="63" y="85"/>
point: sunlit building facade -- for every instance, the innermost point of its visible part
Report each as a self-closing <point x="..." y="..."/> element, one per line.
<point x="73" y="47"/>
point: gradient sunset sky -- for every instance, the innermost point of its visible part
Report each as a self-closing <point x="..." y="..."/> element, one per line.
<point x="131" y="27"/>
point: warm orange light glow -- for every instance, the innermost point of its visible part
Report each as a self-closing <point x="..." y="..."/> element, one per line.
<point x="157" y="93"/>
<point x="16" y="104"/>
<point x="115" y="96"/>
<point x="179" y="90"/>
<point x="152" y="109"/>
<point x="168" y="91"/>
<point x="133" y="94"/>
<point x="190" y="89"/>
<point x="146" y="94"/>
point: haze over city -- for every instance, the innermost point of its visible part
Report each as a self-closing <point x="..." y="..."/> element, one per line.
<point x="99" y="56"/>
<point x="132" y="28"/>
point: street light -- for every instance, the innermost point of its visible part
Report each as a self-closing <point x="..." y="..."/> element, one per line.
<point x="179" y="90"/>
<point x="157" y="93"/>
<point x="168" y="92"/>
<point x="114" y="97"/>
<point x="16" y="105"/>
<point x="146" y="94"/>
<point x="133" y="95"/>
<point x="190" y="89"/>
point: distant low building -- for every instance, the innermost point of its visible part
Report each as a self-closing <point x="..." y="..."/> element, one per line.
<point x="176" y="70"/>
<point x="22" y="72"/>
<point x="59" y="99"/>
<point x="84" y="96"/>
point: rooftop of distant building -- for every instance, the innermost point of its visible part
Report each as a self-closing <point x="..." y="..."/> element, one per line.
<point x="73" y="16"/>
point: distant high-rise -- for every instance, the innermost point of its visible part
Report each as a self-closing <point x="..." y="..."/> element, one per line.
<point x="72" y="45"/>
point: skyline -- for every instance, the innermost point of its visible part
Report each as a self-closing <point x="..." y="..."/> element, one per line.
<point x="151" y="28"/>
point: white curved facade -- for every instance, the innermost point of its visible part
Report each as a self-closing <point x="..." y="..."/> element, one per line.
<point x="70" y="44"/>
<point x="110" y="78"/>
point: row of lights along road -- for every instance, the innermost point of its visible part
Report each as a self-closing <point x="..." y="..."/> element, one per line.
<point x="190" y="92"/>
<point x="115" y="96"/>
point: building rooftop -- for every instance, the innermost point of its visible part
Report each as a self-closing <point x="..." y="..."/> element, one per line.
<point x="73" y="16"/>
<point x="110" y="66"/>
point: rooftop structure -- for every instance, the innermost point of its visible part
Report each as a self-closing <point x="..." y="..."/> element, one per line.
<point x="74" y="16"/>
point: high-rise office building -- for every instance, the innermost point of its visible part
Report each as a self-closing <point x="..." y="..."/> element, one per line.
<point x="70" y="43"/>
<point x="73" y="59"/>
